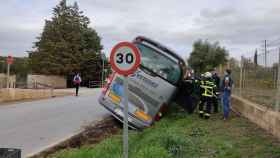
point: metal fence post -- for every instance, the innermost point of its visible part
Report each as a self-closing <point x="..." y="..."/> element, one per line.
<point x="274" y="77"/>
<point x="241" y="76"/>
<point x="244" y="77"/>
<point x="278" y="84"/>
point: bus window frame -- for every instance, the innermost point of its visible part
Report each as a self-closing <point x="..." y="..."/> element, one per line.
<point x="157" y="75"/>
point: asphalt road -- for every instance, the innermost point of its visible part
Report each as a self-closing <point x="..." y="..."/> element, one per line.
<point x="34" y="126"/>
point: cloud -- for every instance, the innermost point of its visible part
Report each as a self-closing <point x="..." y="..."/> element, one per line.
<point x="16" y="42"/>
<point x="236" y="29"/>
<point x="238" y="25"/>
<point x="220" y="13"/>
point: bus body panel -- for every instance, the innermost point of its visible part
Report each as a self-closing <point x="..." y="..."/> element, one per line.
<point x="146" y="94"/>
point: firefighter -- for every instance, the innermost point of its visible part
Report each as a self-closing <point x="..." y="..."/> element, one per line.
<point x="216" y="98"/>
<point x="186" y="96"/>
<point x="208" y="89"/>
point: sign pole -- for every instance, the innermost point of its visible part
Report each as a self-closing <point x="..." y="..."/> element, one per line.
<point x="8" y="75"/>
<point x="125" y="59"/>
<point x="9" y="62"/>
<point x="125" y="125"/>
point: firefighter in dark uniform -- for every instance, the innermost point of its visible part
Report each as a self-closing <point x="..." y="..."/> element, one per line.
<point x="216" y="98"/>
<point x="208" y="89"/>
<point x="185" y="96"/>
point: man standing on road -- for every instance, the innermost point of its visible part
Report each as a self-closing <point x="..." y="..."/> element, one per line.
<point x="226" y="88"/>
<point x="77" y="81"/>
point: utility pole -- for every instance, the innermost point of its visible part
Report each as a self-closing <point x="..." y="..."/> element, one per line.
<point x="278" y="85"/>
<point x="265" y="53"/>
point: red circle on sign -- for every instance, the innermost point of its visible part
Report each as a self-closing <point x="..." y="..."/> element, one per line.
<point x="10" y="60"/>
<point x="136" y="53"/>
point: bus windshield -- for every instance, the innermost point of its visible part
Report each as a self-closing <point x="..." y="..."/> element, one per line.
<point x="159" y="64"/>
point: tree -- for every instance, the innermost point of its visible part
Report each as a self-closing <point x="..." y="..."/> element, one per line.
<point x="256" y="58"/>
<point x="20" y="67"/>
<point x="206" y="56"/>
<point x="233" y="63"/>
<point x="67" y="44"/>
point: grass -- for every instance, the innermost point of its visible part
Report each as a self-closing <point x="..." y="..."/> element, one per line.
<point x="179" y="135"/>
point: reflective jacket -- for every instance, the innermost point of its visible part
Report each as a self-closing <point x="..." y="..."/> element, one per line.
<point x="208" y="88"/>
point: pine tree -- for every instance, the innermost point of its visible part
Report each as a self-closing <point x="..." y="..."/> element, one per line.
<point x="67" y="44"/>
<point x="256" y="58"/>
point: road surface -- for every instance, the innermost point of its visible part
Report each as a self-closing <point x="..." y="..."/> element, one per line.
<point x="33" y="126"/>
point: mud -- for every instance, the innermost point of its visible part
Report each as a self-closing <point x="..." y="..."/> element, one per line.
<point x="91" y="135"/>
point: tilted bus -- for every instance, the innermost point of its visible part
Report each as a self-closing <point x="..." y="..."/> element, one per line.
<point x="151" y="88"/>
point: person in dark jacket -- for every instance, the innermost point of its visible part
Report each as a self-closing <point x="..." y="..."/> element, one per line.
<point x="187" y="95"/>
<point x="77" y="81"/>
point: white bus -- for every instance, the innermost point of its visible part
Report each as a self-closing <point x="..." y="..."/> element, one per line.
<point x="151" y="88"/>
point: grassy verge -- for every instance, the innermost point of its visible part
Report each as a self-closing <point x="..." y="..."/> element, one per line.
<point x="179" y="135"/>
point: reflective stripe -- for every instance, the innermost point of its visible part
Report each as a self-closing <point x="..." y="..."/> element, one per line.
<point x="207" y="114"/>
<point x="208" y="91"/>
<point x="208" y="87"/>
<point x="210" y="83"/>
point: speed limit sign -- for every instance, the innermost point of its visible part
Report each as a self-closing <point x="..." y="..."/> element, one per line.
<point x="125" y="58"/>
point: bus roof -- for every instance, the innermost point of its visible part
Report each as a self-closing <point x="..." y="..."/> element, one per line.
<point x="162" y="47"/>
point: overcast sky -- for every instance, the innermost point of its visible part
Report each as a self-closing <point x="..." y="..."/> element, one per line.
<point x="239" y="25"/>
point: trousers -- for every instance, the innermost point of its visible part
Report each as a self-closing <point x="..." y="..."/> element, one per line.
<point x="226" y="103"/>
<point x="77" y="89"/>
<point x="209" y="102"/>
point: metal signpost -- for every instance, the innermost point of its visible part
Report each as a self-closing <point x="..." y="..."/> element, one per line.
<point x="125" y="58"/>
<point x="10" y="61"/>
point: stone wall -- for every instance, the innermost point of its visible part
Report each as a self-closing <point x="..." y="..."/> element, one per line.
<point x="15" y="94"/>
<point x="262" y="116"/>
<point x="41" y="81"/>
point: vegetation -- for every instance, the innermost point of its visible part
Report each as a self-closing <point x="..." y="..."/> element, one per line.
<point x="207" y="56"/>
<point x="20" y="65"/>
<point x="256" y="57"/>
<point x="67" y="45"/>
<point x="179" y="135"/>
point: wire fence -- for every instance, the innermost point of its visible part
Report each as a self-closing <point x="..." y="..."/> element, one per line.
<point x="257" y="78"/>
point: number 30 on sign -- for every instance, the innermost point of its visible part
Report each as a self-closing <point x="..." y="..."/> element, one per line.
<point x="125" y="58"/>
